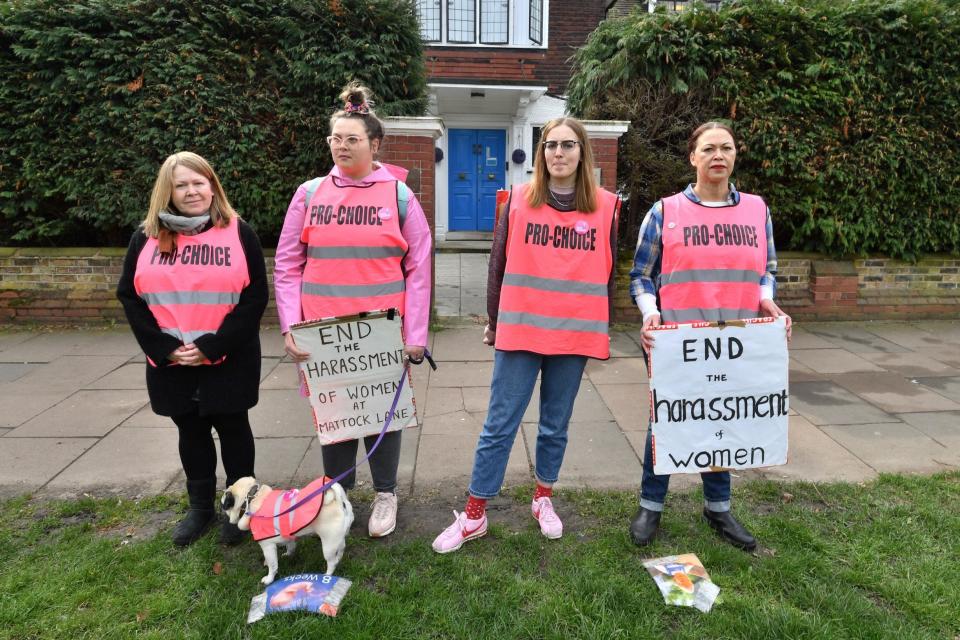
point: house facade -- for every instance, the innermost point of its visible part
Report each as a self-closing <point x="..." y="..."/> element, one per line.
<point x="497" y="71"/>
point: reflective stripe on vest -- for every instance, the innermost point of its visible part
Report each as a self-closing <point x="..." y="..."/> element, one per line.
<point x="191" y="290"/>
<point x="355" y="250"/>
<point x="554" y="298"/>
<point x="713" y="259"/>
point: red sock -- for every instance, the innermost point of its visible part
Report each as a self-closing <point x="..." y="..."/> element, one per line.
<point x="543" y="492"/>
<point x="475" y="508"/>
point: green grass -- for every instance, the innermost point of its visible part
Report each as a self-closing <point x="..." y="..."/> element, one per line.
<point x="836" y="561"/>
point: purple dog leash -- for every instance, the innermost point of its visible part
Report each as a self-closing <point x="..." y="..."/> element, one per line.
<point x="383" y="431"/>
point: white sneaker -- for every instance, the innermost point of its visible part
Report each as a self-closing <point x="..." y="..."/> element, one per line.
<point x="383" y="515"/>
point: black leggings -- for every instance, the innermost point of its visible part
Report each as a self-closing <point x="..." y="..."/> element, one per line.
<point x="198" y="453"/>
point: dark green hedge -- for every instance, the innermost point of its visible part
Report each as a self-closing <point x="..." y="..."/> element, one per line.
<point x="95" y="94"/>
<point x="849" y="113"/>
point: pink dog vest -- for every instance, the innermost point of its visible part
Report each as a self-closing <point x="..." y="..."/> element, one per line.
<point x="267" y="523"/>
<point x="713" y="259"/>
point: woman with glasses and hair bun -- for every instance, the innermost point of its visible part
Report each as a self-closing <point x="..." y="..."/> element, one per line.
<point x="353" y="241"/>
<point x="548" y="299"/>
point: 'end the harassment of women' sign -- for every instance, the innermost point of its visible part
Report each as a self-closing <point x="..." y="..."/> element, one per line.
<point x="719" y="396"/>
<point x="352" y="375"/>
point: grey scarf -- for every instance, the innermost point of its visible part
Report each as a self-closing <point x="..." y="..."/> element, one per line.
<point x="186" y="225"/>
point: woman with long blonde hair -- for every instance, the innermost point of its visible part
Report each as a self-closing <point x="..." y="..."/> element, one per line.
<point x="194" y="288"/>
<point x="548" y="299"/>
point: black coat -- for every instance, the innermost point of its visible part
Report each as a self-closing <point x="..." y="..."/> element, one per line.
<point x="228" y="387"/>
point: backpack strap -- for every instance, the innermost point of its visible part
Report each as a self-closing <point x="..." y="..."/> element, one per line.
<point x="403" y="196"/>
<point x="312" y="187"/>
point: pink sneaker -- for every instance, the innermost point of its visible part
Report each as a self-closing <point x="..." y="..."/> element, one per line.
<point x="462" y="529"/>
<point x="550" y="525"/>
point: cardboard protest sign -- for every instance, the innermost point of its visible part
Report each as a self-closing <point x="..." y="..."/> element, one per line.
<point x="719" y="396"/>
<point x="352" y="375"/>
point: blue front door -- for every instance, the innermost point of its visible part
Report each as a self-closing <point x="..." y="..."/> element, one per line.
<point x="477" y="169"/>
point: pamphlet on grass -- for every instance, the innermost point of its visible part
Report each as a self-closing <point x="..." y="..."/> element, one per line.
<point x="312" y="592"/>
<point x="683" y="581"/>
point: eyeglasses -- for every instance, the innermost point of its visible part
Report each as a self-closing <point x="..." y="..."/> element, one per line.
<point x="565" y="145"/>
<point x="349" y="142"/>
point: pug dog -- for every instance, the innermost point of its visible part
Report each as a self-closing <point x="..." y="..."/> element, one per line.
<point x="258" y="508"/>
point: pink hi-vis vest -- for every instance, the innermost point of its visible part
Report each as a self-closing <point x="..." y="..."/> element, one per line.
<point x="192" y="289"/>
<point x="354" y="250"/>
<point x="713" y="259"/>
<point x="267" y="523"/>
<point x="554" y="298"/>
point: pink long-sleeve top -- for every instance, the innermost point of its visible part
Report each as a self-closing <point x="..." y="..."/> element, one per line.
<point x="292" y="256"/>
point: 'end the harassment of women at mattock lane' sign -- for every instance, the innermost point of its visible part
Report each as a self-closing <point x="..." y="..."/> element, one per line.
<point x="719" y="396"/>
<point x="352" y="375"/>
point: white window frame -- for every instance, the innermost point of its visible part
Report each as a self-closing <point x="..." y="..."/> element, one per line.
<point x="518" y="28"/>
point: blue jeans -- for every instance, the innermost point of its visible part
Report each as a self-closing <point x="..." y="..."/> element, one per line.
<point x="653" y="488"/>
<point x="514" y="376"/>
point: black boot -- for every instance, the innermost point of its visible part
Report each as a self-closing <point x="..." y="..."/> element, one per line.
<point x="200" y="515"/>
<point x="731" y="530"/>
<point x="230" y="534"/>
<point x="644" y="526"/>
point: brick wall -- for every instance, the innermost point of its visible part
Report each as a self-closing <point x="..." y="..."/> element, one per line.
<point x="605" y="157"/>
<point x="416" y="154"/>
<point x="811" y="287"/>
<point x="571" y="21"/>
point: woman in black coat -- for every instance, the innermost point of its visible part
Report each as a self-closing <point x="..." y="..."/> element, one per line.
<point x="194" y="288"/>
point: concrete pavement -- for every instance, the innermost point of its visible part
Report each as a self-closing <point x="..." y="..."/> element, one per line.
<point x="866" y="398"/>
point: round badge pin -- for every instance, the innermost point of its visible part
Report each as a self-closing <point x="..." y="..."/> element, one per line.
<point x="581" y="227"/>
<point x="385" y="213"/>
<point x="671" y="225"/>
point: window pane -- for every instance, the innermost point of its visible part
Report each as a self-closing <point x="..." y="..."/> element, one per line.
<point x="494" y="21"/>
<point x="428" y="12"/>
<point x="461" y="20"/>
<point x="536" y="21"/>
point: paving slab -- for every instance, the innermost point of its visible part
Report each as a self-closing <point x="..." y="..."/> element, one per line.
<point x="65" y="374"/>
<point x="463" y="374"/>
<point x="616" y="371"/>
<point x="852" y="337"/>
<point x="894" y="394"/>
<point x="128" y="376"/>
<point x="271" y="343"/>
<point x="802" y="373"/>
<point x="892" y="447"/>
<point x="628" y="403"/>
<point x="44" y="347"/>
<point x="10" y="339"/>
<point x="4" y="432"/>
<point x="947" y="387"/>
<point x="442" y="401"/>
<point x="941" y="426"/>
<point x="312" y="465"/>
<point x="14" y="371"/>
<point x="905" y="334"/>
<point x="283" y="375"/>
<point x="142" y="459"/>
<point x="277" y="460"/>
<point x="85" y="413"/>
<point x="911" y="365"/>
<point x="625" y="344"/>
<point x="801" y="338"/>
<point x="29" y="463"/>
<point x="813" y="456"/>
<point x="598" y="456"/>
<point x="452" y="345"/>
<point x="833" y="361"/>
<point x="453" y="424"/>
<point x="948" y="354"/>
<point x="447" y="460"/>
<point x="146" y="418"/>
<point x="947" y="330"/>
<point x="825" y="403"/>
<point x="16" y="407"/>
<point x="475" y="399"/>
<point x="281" y="412"/>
